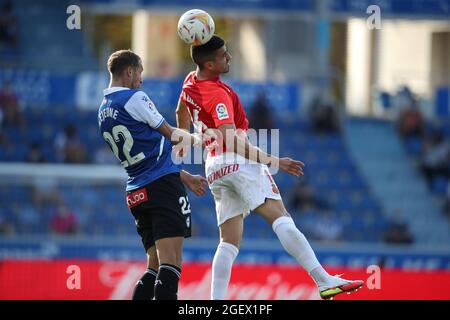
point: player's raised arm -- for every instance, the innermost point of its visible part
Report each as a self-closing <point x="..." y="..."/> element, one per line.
<point x="239" y="144"/>
<point x="141" y="108"/>
<point x="183" y="117"/>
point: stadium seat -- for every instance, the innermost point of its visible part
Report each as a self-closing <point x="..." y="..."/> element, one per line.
<point x="329" y="170"/>
<point x="439" y="185"/>
<point x="414" y="146"/>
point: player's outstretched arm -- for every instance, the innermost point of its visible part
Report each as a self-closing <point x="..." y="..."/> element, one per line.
<point x="196" y="183"/>
<point x="288" y="165"/>
<point x="178" y="136"/>
<point x="240" y="145"/>
<point x="183" y="122"/>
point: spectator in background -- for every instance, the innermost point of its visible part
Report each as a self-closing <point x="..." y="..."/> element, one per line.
<point x="69" y="147"/>
<point x="303" y="198"/>
<point x="398" y="231"/>
<point x="260" y="114"/>
<point x="35" y="154"/>
<point x="8" y="27"/>
<point x="405" y="98"/>
<point x="411" y="122"/>
<point x="324" y="116"/>
<point x="64" y="221"/>
<point x="9" y="106"/>
<point x="436" y="157"/>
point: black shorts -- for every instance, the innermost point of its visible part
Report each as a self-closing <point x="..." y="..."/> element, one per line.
<point x="161" y="209"/>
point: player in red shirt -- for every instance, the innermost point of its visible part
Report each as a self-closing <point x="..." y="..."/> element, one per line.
<point x="237" y="172"/>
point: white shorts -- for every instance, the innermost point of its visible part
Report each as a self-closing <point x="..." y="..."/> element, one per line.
<point x="238" y="186"/>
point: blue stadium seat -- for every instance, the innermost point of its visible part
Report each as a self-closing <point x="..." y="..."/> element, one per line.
<point x="414" y="146"/>
<point x="439" y="185"/>
<point x="368" y="204"/>
<point x="330" y="171"/>
<point x="446" y="128"/>
<point x="344" y="203"/>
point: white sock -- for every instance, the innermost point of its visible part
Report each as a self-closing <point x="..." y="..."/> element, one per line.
<point x="295" y="243"/>
<point x="221" y="269"/>
<point x="320" y="276"/>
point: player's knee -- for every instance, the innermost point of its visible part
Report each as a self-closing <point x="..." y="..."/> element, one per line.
<point x="284" y="223"/>
<point x="234" y="240"/>
<point x="170" y="256"/>
<point x="170" y="253"/>
<point x="232" y="249"/>
<point x="231" y="236"/>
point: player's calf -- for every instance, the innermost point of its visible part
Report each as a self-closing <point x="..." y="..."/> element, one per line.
<point x="222" y="264"/>
<point x="166" y="284"/>
<point x="145" y="287"/>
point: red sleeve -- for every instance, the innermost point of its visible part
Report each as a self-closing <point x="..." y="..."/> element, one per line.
<point x="222" y="110"/>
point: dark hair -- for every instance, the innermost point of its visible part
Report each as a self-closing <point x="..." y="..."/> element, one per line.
<point x="122" y="59"/>
<point x="206" y="52"/>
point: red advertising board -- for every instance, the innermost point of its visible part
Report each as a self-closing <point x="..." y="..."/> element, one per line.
<point x="82" y="279"/>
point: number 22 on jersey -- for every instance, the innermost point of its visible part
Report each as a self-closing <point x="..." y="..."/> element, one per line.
<point x="119" y="132"/>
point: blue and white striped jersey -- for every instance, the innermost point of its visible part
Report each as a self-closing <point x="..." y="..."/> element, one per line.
<point x="128" y="122"/>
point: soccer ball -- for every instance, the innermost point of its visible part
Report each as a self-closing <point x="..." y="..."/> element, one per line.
<point x="196" y="27"/>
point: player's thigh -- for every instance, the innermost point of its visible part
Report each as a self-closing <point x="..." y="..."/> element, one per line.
<point x="228" y="203"/>
<point x="144" y="227"/>
<point x="152" y="258"/>
<point x="231" y="230"/>
<point x="171" y="217"/>
<point x="169" y="250"/>
<point x="271" y="210"/>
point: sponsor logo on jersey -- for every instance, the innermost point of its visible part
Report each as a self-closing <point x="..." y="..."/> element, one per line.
<point x="152" y="107"/>
<point x="222" y="111"/>
<point x="188" y="99"/>
<point x="137" y="197"/>
<point x="222" y="172"/>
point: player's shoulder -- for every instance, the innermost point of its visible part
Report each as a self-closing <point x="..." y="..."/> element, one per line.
<point x="120" y="97"/>
<point x="139" y="99"/>
<point x="189" y="80"/>
<point x="137" y="95"/>
<point x="218" y="92"/>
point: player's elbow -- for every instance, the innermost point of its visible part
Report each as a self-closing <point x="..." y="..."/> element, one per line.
<point x="179" y="111"/>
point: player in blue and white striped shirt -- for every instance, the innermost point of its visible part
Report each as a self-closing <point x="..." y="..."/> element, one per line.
<point x="142" y="140"/>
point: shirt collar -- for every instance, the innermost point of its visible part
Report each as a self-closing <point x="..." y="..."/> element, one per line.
<point x="113" y="89"/>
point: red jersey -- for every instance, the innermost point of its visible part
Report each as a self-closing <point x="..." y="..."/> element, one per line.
<point x="213" y="102"/>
